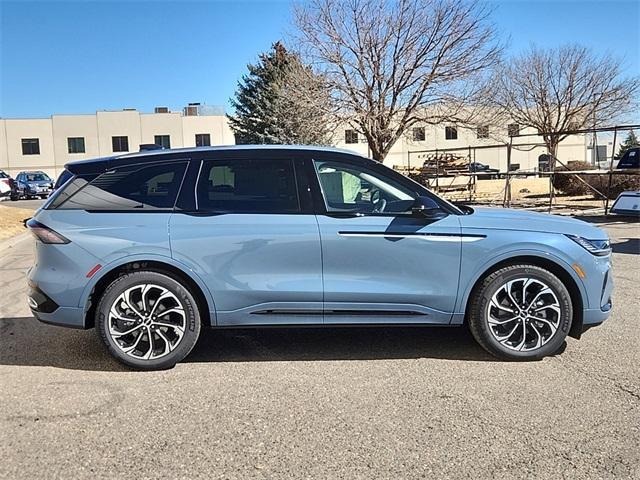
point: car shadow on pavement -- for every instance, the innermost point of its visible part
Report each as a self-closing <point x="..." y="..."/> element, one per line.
<point x="27" y="342"/>
<point x="629" y="246"/>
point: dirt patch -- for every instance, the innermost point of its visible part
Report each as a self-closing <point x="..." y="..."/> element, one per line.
<point x="11" y="221"/>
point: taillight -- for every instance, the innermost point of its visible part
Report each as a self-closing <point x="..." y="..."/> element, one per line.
<point x="45" y="234"/>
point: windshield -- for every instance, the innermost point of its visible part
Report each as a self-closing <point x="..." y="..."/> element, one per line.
<point x="37" y="177"/>
<point x="3" y="175"/>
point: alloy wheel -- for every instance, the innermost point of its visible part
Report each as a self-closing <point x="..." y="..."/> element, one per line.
<point x="524" y="314"/>
<point x="147" y="321"/>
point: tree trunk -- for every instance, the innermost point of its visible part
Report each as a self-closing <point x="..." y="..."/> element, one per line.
<point x="552" y="149"/>
<point x="377" y="152"/>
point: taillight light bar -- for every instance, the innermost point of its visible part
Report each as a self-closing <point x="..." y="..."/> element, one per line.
<point x="46" y="234"/>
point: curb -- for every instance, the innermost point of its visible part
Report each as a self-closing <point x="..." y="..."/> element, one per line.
<point x="13" y="241"/>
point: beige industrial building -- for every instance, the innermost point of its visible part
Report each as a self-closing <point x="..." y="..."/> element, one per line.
<point x="485" y="145"/>
<point x="47" y="144"/>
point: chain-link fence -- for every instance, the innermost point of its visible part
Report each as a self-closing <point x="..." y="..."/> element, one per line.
<point x="582" y="178"/>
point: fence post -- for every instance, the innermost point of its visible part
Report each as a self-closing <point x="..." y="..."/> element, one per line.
<point x="507" y="187"/>
<point x="471" y="177"/>
<point x="437" y="171"/>
<point x="613" y="152"/>
<point x="551" y="175"/>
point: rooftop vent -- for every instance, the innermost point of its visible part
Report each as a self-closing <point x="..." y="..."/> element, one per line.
<point x="191" y="110"/>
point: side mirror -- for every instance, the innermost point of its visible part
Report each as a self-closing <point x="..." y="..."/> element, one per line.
<point x="427" y="207"/>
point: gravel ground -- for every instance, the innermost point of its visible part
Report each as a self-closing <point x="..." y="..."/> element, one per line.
<point x="11" y="220"/>
<point x="322" y="403"/>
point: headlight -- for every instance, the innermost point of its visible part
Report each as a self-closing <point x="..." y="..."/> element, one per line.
<point x="599" y="248"/>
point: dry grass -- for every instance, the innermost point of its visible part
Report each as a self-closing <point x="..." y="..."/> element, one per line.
<point x="11" y="221"/>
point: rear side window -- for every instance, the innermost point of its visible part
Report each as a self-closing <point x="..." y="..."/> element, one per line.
<point x="132" y="188"/>
<point x="248" y="186"/>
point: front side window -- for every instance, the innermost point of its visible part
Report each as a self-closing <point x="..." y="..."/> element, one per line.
<point x="31" y="146"/>
<point x="76" y="144"/>
<point x="163" y="141"/>
<point x="120" y="144"/>
<point x="134" y="188"/>
<point x="355" y="189"/>
<point x="248" y="186"/>
<point x="203" y="140"/>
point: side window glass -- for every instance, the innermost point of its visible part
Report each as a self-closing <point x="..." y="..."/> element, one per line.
<point x="129" y="188"/>
<point x="356" y="189"/>
<point x="248" y="186"/>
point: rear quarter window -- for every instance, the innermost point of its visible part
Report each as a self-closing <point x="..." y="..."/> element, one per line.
<point x="133" y="188"/>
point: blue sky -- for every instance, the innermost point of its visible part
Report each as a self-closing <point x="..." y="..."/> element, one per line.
<point x="83" y="56"/>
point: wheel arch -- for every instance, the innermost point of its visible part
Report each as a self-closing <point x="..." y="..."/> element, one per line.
<point x="159" y="266"/>
<point x="555" y="267"/>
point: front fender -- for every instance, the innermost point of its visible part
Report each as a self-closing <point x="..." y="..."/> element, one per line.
<point x="470" y="274"/>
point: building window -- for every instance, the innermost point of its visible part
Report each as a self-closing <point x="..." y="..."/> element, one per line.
<point x="120" y="144"/>
<point x="483" y="131"/>
<point x="419" y="134"/>
<point x="31" y="146"/>
<point x="162" y="140"/>
<point x="203" y="140"/>
<point x="350" y="136"/>
<point x="451" y="133"/>
<point x="76" y="144"/>
<point x="513" y="129"/>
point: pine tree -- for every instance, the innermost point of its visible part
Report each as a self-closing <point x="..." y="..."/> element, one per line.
<point x="630" y="142"/>
<point x="281" y="101"/>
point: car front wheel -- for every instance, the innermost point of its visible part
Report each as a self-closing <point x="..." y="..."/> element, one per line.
<point x="148" y="320"/>
<point x="520" y="312"/>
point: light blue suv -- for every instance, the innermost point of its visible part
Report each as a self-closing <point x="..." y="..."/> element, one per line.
<point x="151" y="247"/>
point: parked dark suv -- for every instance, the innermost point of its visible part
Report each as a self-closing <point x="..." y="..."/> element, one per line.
<point x="32" y="185"/>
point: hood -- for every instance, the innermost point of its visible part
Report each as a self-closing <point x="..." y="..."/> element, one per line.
<point x="522" y="220"/>
<point x="40" y="183"/>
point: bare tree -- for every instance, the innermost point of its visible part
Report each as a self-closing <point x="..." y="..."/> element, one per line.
<point x="560" y="90"/>
<point x="305" y="107"/>
<point x="394" y="64"/>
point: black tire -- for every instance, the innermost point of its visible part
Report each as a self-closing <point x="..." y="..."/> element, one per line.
<point x="14" y="198"/>
<point x="182" y="293"/>
<point x="479" y="305"/>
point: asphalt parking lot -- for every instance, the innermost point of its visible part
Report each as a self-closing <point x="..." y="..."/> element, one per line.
<point x="33" y="203"/>
<point x="322" y="403"/>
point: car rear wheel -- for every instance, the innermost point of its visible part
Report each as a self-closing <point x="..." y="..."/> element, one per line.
<point x="520" y="312"/>
<point x="148" y="320"/>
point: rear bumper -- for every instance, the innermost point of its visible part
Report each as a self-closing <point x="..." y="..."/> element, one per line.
<point x="71" y="317"/>
<point x="48" y="311"/>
